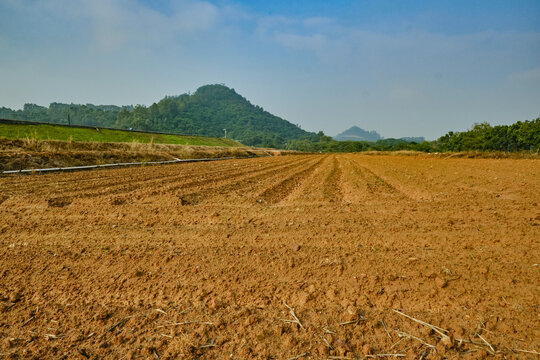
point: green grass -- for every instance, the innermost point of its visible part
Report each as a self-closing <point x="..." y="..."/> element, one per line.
<point x="53" y="132"/>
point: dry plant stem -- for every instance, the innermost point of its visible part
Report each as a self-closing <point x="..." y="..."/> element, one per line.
<point x="118" y="324"/>
<point x="437" y="329"/>
<point x="299" y="356"/>
<point x="403" y="334"/>
<point x="384" y="355"/>
<point x="27" y="321"/>
<point x="488" y="344"/>
<point x="348" y="322"/>
<point x="367" y="357"/>
<point x="397" y="342"/>
<point x="296" y="320"/>
<point x="186" y="323"/>
<point x="385" y="329"/>
<point x="326" y="330"/>
<point x="209" y="345"/>
<point x="527" y="351"/>
<point x="424" y="354"/>
<point x="327" y="343"/>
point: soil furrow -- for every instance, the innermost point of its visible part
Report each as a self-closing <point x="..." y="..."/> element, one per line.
<point x="155" y="177"/>
<point x="159" y="182"/>
<point x="278" y="192"/>
<point x="134" y="274"/>
<point x="246" y="184"/>
<point x="312" y="190"/>
<point x="225" y="178"/>
<point x="332" y="183"/>
<point x="368" y="185"/>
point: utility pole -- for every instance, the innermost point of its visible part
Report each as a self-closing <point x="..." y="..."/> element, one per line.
<point x="69" y="117"/>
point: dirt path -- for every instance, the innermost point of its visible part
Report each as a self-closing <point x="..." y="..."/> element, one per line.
<point x="204" y="260"/>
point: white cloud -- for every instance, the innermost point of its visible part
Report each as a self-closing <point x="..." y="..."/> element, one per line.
<point x="115" y="23"/>
<point x="315" y="42"/>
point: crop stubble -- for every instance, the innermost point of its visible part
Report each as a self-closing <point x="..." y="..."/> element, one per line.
<point x="203" y="260"/>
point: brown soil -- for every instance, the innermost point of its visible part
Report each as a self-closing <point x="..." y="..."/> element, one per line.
<point x="293" y="257"/>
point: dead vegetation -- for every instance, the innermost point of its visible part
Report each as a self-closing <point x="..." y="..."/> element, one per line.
<point x="31" y="153"/>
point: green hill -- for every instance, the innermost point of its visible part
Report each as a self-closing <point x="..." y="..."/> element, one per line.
<point x="207" y="112"/>
<point x="210" y="110"/>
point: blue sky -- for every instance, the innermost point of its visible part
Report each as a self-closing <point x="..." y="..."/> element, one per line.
<point x="403" y="68"/>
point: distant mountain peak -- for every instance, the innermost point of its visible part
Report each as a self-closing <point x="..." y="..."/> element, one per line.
<point x="356" y="133"/>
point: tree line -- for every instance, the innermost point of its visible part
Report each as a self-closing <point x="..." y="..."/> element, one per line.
<point x="57" y="113"/>
<point x="213" y="110"/>
<point x="218" y="111"/>
<point x="520" y="136"/>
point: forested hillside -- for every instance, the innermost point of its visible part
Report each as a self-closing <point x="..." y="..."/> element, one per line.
<point x="210" y="111"/>
<point x="91" y="115"/>
<point x="216" y="110"/>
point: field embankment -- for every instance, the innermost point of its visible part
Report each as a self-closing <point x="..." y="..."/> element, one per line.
<point x="341" y="256"/>
<point x="38" y="154"/>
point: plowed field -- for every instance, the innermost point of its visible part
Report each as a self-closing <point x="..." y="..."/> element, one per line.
<point x="291" y="257"/>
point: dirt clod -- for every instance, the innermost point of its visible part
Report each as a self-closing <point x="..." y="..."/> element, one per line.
<point x="15" y="296"/>
<point x="440" y="282"/>
<point x="59" y="202"/>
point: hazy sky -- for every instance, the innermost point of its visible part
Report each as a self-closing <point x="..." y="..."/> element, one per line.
<point x="403" y="68"/>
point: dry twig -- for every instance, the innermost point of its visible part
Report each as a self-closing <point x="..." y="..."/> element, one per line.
<point x="527" y="351"/>
<point x="118" y="324"/>
<point x="27" y="321"/>
<point x="424" y="354"/>
<point x="403" y="334"/>
<point x="293" y="314"/>
<point x="355" y="322"/>
<point x="437" y="329"/>
<point x="212" y="343"/>
<point x="185" y="323"/>
<point x="488" y="344"/>
<point x="385" y="355"/>
<point x="326" y="342"/>
<point x="367" y="357"/>
<point x="385" y="329"/>
<point x="397" y="342"/>
<point x="326" y="330"/>
<point x="299" y="356"/>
